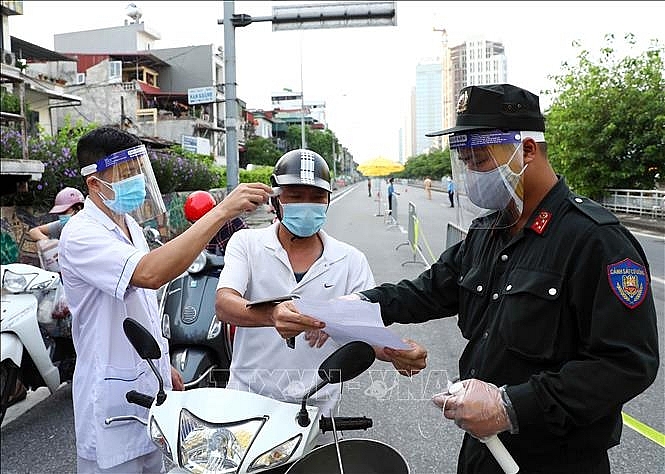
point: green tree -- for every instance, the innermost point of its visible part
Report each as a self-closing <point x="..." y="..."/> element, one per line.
<point x="435" y="164"/>
<point x="320" y="141"/>
<point x="606" y="127"/>
<point x="260" y="151"/>
<point x="294" y="136"/>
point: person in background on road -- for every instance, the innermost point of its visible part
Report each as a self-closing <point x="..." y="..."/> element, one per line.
<point x="197" y="204"/>
<point x="552" y="293"/>
<point x="110" y="274"/>
<point x="450" y="187"/>
<point x="67" y="203"/>
<point x="391" y="191"/>
<point x="427" y="184"/>
<point x="292" y="256"/>
<point x="369" y="187"/>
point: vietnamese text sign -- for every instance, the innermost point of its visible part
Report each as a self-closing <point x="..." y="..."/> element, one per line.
<point x="201" y="95"/>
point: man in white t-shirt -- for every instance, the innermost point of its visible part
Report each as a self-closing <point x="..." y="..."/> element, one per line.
<point x="109" y="274"/>
<point x="292" y="256"/>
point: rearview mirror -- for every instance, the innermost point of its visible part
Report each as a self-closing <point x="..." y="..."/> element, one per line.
<point x="141" y="339"/>
<point x="347" y="362"/>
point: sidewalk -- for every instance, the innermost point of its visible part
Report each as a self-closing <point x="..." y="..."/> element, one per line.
<point x="635" y="221"/>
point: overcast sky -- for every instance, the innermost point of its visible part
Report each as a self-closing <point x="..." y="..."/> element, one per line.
<point x="365" y="75"/>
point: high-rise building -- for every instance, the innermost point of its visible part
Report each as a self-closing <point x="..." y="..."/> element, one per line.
<point x="428" y="103"/>
<point x="438" y="82"/>
<point x="476" y="61"/>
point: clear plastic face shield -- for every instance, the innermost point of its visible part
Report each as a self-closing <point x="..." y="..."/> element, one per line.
<point x="489" y="170"/>
<point x="128" y="185"/>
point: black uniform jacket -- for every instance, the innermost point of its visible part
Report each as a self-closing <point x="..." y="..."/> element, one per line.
<point x="562" y="313"/>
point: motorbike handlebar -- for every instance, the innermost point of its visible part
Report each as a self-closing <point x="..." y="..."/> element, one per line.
<point x="139" y="399"/>
<point x="344" y="423"/>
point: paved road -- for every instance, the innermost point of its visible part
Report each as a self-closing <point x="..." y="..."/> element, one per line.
<point x="41" y="440"/>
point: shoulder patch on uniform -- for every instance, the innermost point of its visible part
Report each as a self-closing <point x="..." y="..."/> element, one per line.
<point x="629" y="282"/>
<point x="593" y="210"/>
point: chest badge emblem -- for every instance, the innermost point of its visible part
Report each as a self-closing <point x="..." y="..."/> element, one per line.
<point x="628" y="281"/>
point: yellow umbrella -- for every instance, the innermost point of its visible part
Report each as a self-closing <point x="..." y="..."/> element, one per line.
<point x="380" y="167"/>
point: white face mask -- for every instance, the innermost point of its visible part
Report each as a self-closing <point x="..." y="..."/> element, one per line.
<point x="494" y="189"/>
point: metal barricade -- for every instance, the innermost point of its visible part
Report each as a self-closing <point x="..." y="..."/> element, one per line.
<point x="454" y="234"/>
<point x="414" y="236"/>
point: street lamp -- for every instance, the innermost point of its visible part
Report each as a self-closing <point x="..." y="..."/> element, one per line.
<point x="288" y="17"/>
<point x="303" y="142"/>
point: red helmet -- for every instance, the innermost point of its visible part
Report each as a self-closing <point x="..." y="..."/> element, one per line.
<point x="197" y="204"/>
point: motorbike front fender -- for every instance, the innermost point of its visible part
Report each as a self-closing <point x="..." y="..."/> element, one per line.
<point x="192" y="362"/>
<point x="11" y="348"/>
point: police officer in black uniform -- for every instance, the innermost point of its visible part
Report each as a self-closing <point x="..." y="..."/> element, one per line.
<point x="553" y="296"/>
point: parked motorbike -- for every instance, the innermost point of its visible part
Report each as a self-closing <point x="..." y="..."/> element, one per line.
<point x="220" y="430"/>
<point x="35" y="331"/>
<point x="200" y="345"/>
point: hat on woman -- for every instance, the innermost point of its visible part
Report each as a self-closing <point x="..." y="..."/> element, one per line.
<point x="66" y="199"/>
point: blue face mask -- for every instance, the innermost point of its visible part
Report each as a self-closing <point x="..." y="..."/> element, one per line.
<point x="129" y="194"/>
<point x="304" y="219"/>
<point x="63" y="218"/>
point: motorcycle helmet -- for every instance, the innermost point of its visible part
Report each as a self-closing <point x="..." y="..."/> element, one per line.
<point x="65" y="199"/>
<point x="197" y="204"/>
<point x="300" y="167"/>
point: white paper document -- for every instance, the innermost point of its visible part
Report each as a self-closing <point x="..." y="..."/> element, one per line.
<point x="351" y="320"/>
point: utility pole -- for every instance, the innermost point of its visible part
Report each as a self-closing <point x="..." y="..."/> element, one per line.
<point x="230" y="104"/>
<point x="287" y="17"/>
<point x="332" y="137"/>
<point x="303" y="141"/>
<point x="122" y="112"/>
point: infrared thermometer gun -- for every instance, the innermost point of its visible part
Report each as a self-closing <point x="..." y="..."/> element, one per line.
<point x="493" y="442"/>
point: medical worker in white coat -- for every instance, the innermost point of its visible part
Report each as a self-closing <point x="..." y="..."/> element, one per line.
<point x="109" y="274"/>
<point x="292" y="256"/>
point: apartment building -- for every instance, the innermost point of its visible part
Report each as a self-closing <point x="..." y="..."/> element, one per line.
<point x="172" y="95"/>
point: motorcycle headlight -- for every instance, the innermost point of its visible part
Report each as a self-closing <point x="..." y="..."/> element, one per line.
<point x="214" y="448"/>
<point x="16" y="283"/>
<point x="276" y="456"/>
<point x="159" y="439"/>
<point x="198" y="264"/>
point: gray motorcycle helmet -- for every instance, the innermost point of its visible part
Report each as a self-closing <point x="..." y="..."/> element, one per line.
<point x="301" y="166"/>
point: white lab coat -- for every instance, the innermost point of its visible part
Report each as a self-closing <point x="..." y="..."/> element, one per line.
<point x="97" y="262"/>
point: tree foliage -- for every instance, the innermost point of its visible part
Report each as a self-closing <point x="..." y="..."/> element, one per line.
<point x="56" y="152"/>
<point x="320" y="141"/>
<point x="261" y="152"/>
<point x="606" y="127"/>
<point x="260" y="174"/>
<point x="435" y="164"/>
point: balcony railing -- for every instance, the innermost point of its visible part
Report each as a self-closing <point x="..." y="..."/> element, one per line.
<point x="650" y="203"/>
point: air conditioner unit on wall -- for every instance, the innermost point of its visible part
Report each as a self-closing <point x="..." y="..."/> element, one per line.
<point x="8" y="58"/>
